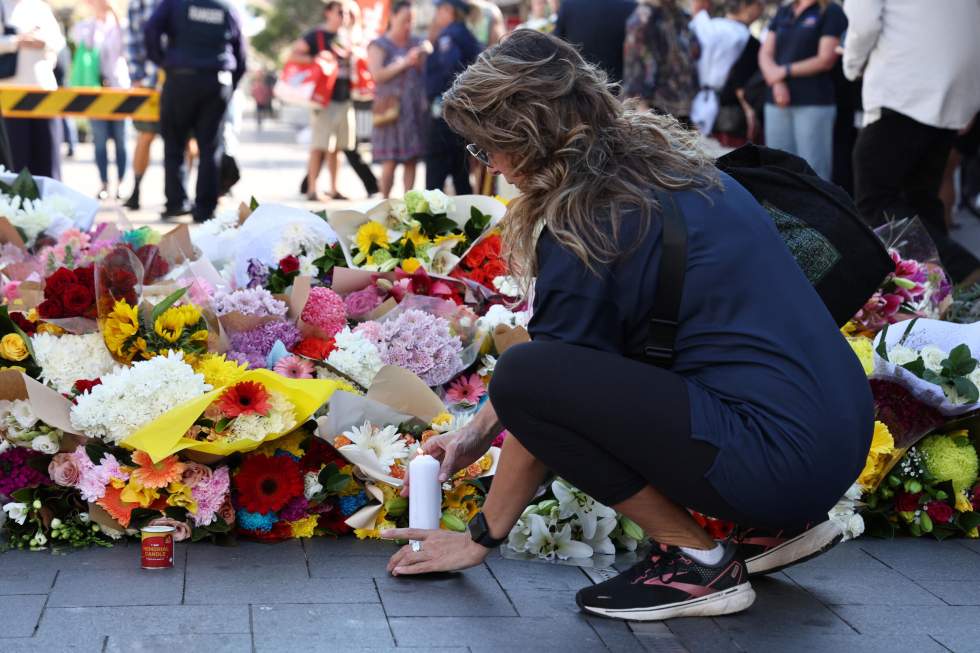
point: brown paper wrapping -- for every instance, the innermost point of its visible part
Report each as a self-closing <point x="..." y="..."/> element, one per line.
<point x="9" y="234"/>
<point x="385" y="308"/>
<point x="21" y="271"/>
<point x="103" y="518"/>
<point x="176" y="246"/>
<point x="49" y="406"/>
<point x="31" y="295"/>
<point x="400" y="389"/>
<point x="505" y="337"/>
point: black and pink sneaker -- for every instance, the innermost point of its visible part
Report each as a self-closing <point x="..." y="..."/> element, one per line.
<point x="669" y="584"/>
<point x="768" y="551"/>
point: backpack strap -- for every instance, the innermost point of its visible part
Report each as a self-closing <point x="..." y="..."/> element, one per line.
<point x="659" y="346"/>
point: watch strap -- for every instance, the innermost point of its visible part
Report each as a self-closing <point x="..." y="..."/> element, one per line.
<point x="480" y="532"/>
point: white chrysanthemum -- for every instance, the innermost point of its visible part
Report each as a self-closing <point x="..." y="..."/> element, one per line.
<point x="507" y="286"/>
<point x="386" y="444"/>
<point x="132" y="397"/>
<point x="356" y="357"/>
<point x="223" y="221"/>
<point x="296" y="238"/>
<point x="257" y="427"/>
<point x="69" y="358"/>
<point x="900" y="355"/>
<point x="47" y="215"/>
<point x="22" y="414"/>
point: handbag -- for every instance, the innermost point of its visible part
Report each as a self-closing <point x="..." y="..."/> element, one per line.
<point x="385" y="110"/>
<point x="8" y="61"/>
<point x="308" y="84"/>
<point x="86" y="67"/>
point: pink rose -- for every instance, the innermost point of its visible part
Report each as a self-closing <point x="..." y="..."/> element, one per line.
<point x="195" y="474"/>
<point x="227" y="512"/>
<point x="63" y="470"/>
<point x="362" y="302"/>
<point x="181" y="530"/>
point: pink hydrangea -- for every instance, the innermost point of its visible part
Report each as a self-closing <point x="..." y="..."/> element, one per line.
<point x="325" y="310"/>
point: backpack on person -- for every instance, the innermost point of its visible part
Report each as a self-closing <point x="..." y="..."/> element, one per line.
<point x="839" y="254"/>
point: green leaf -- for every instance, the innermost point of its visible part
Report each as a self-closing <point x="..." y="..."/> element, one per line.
<point x="95" y="451"/>
<point x="25" y="187"/>
<point x="322" y="214"/>
<point x="223" y="424"/>
<point x="140" y="517"/>
<point x="968" y="520"/>
<point x="171" y="299"/>
<point x="966" y="389"/>
<point x="253" y="204"/>
<point x="917" y="367"/>
<point x="908" y="330"/>
<point x="176" y="512"/>
<point x="960" y="361"/>
<point x="199" y="533"/>
<point x="435" y="225"/>
<point x="336" y="483"/>
<point x="476" y="225"/>
<point x="219" y="525"/>
<point x="326" y="473"/>
<point x="932" y="377"/>
<point x="882" y="348"/>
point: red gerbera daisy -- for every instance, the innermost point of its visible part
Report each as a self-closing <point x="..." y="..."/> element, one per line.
<point x="245" y="398"/>
<point x="267" y="484"/>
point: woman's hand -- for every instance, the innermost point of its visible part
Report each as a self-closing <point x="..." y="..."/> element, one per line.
<point x="30" y="40"/>
<point x="440" y="551"/>
<point x="780" y="94"/>
<point x="455" y="451"/>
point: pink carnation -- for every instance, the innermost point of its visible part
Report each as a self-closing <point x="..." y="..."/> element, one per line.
<point x="325" y="310"/>
<point x="210" y="495"/>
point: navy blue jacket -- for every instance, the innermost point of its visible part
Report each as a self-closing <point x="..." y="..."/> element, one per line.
<point x="201" y="35"/>
<point x="455" y="49"/>
<point x="598" y="29"/>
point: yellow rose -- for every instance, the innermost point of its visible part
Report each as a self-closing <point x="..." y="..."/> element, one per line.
<point x="51" y="329"/>
<point x="13" y="347"/>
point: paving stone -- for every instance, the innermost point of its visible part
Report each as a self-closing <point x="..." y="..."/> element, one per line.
<point x="284" y="584"/>
<point x="922" y="559"/>
<point x="246" y="555"/>
<point x="959" y="642"/>
<point x="911" y="620"/>
<point x="497" y="633"/>
<point x="125" y="554"/>
<point x="703" y="634"/>
<point x="838" y="587"/>
<point x="616" y="635"/>
<point x="810" y="642"/>
<point x="279" y="628"/>
<point x="544" y="603"/>
<point x="656" y="637"/>
<point x="348" y="546"/>
<point x="972" y="545"/>
<point x="369" y="566"/>
<point x="954" y="592"/>
<point x="536" y="575"/>
<point x="25" y="581"/>
<point x="231" y="643"/>
<point x="849" y="557"/>
<point x="473" y="592"/>
<point x="783" y="608"/>
<point x="149" y="620"/>
<point x="108" y="587"/>
<point x="19" y="614"/>
<point x="75" y="642"/>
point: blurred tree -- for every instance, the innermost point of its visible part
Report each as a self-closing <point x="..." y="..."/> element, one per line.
<point x="286" y="20"/>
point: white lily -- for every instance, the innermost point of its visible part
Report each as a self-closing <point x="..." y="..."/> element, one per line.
<point x="574" y="502"/>
<point x="487" y="365"/>
<point x="519" y="534"/>
<point x="16" y="511"/>
<point x="601" y="543"/>
<point x="548" y="544"/>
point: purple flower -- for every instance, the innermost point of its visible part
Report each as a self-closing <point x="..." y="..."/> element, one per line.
<point x="296" y="509"/>
<point x="258" y="273"/>
<point x="254" y="346"/>
<point x="16" y="472"/>
<point x="423" y="344"/>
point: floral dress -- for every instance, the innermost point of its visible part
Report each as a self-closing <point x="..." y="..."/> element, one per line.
<point x="405" y="139"/>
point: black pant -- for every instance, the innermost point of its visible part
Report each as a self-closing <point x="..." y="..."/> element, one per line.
<point x="898" y="169"/>
<point x="35" y="144"/>
<point x="608" y="424"/>
<point x="193" y="103"/>
<point x="446" y="157"/>
<point x="363" y="170"/>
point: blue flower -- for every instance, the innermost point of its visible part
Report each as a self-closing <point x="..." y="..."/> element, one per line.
<point x="350" y="505"/>
<point x="256" y="521"/>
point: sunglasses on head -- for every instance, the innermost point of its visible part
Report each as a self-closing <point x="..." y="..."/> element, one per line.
<point x="479" y="155"/>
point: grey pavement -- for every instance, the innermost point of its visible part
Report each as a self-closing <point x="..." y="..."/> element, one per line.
<point x="323" y="595"/>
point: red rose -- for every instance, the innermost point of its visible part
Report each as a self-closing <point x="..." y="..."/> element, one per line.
<point x="940" y="512"/>
<point x="25" y="325"/>
<point x="84" y="385"/>
<point x="906" y="502"/>
<point x="476" y="256"/>
<point x="315" y="348"/>
<point x="494" y="268"/>
<point x="289" y="264"/>
<point x="493" y="246"/>
<point x="154" y="264"/>
<point x="975" y="500"/>
<point x="50" y="309"/>
<point x="59" y="282"/>
<point x="86" y="277"/>
<point x="78" y="300"/>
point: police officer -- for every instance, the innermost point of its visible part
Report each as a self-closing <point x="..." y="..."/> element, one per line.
<point x="204" y="60"/>
<point x="455" y="48"/>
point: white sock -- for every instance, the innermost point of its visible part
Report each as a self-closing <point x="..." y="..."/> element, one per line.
<point x="710" y="557"/>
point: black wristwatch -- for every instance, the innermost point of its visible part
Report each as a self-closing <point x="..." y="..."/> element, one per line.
<point x="480" y="532"/>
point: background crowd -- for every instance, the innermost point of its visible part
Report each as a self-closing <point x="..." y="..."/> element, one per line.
<point x="879" y="96"/>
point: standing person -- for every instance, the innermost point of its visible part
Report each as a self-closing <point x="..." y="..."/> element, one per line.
<point x="142" y="74"/>
<point x="541" y="18"/>
<point x="723" y="41"/>
<point x="598" y="29"/>
<point x="742" y="98"/>
<point x="333" y="126"/>
<point x="396" y="60"/>
<point x="921" y="86"/>
<point x="104" y="33"/>
<point x="35" y="143"/>
<point x="796" y="58"/>
<point x="486" y="21"/>
<point x="743" y="424"/>
<point x="455" y="48"/>
<point x="204" y="59"/>
<point x="660" y="58"/>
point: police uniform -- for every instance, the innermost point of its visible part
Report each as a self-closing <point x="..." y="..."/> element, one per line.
<point x="455" y="49"/>
<point x="204" y="60"/>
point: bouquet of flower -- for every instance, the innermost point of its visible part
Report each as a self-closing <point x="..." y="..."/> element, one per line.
<point x="69" y="294"/>
<point x="15" y="347"/>
<point x="34" y="218"/>
<point x="484" y="264"/>
<point x="933" y="490"/>
<point x="169" y="327"/>
<point x="50" y="515"/>
<point x="570" y="524"/>
<point x="75" y="248"/>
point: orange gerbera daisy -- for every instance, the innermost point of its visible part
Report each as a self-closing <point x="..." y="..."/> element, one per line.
<point x="113" y="504"/>
<point x="156" y="475"/>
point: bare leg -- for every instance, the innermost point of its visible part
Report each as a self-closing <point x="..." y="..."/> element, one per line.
<point x="408" y="174"/>
<point x="332" y="166"/>
<point x="387" y="178"/>
<point x="141" y="155"/>
<point x="664" y="521"/>
<point x="313" y="171"/>
<point x="519" y="474"/>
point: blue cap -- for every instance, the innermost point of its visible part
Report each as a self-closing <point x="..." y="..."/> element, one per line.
<point x="462" y="5"/>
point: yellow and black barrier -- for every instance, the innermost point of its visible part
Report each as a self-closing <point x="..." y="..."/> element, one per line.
<point x="95" y="103"/>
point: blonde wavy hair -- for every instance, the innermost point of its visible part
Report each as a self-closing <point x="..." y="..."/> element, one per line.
<point x="584" y="158"/>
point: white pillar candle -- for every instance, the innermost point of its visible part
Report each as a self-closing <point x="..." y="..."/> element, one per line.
<point x="424" y="493"/>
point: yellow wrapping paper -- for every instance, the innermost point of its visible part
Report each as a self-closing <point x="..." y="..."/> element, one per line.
<point x="164" y="436"/>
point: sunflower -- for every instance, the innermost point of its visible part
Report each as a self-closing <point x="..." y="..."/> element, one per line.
<point x="266" y="484"/>
<point x="156" y="475"/>
<point x="121" y="324"/>
<point x="245" y="398"/>
<point x="371" y="233"/>
<point x="170" y="325"/>
<point x="218" y="371"/>
<point x="416" y="237"/>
